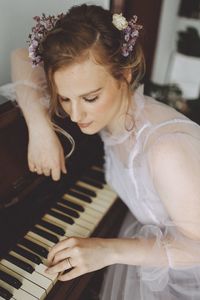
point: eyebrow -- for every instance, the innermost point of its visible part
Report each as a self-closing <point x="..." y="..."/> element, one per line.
<point x="86" y="94"/>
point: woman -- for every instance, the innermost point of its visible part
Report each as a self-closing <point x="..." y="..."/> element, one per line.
<point x="93" y="64"/>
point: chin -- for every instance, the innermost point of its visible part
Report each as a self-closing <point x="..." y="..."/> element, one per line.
<point x="89" y="131"/>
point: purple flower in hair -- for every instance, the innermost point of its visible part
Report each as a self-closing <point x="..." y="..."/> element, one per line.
<point x="130" y="32"/>
<point x="44" y="25"/>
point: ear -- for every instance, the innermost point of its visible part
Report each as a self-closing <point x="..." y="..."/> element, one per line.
<point x="127" y="75"/>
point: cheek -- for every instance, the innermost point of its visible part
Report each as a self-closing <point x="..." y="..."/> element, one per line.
<point x="109" y="102"/>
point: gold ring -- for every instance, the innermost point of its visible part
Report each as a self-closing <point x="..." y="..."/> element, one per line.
<point x="68" y="260"/>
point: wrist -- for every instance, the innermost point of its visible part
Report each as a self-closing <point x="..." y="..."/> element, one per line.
<point x="32" y="105"/>
<point x="126" y="251"/>
<point x="112" y="252"/>
<point x="40" y="126"/>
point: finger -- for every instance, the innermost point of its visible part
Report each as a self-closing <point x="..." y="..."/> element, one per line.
<point x="61" y="255"/>
<point x="54" y="250"/>
<point x="59" y="267"/>
<point x="55" y="173"/>
<point x="70" y="275"/>
<point x="63" y="166"/>
<point x="46" y="171"/>
<point x="31" y="166"/>
<point x="66" y="243"/>
<point x="38" y="170"/>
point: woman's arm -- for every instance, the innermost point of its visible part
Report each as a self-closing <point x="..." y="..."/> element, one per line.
<point x="45" y="153"/>
<point x="175" y="170"/>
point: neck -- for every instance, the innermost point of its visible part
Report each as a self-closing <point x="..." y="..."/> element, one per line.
<point x="120" y="122"/>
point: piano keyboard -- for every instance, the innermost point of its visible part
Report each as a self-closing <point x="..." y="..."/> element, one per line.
<point x="77" y="213"/>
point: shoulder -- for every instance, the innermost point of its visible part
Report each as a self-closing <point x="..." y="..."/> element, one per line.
<point x="168" y="148"/>
<point x="175" y="168"/>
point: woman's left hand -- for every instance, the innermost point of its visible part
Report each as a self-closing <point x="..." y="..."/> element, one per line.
<point x="83" y="255"/>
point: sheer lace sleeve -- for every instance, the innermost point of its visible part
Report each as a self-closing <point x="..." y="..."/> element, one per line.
<point x="25" y="80"/>
<point x="174" y="166"/>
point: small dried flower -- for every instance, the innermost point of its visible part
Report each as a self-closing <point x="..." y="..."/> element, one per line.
<point x="39" y="32"/>
<point x="119" y="21"/>
<point x="130" y="32"/>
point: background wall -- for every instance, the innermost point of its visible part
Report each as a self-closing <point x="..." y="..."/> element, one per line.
<point x="16" y="23"/>
<point x="166" y="40"/>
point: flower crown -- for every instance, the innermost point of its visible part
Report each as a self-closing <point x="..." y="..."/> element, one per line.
<point x="45" y="24"/>
<point x="130" y="32"/>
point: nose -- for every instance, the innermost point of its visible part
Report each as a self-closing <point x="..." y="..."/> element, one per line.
<point x="77" y="113"/>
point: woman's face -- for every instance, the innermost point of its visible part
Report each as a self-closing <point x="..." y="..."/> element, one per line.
<point x="90" y="96"/>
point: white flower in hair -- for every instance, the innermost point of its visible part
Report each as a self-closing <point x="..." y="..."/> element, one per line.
<point x="119" y="21"/>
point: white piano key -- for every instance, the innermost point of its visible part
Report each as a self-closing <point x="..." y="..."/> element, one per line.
<point x="87" y="206"/>
<point x="27" y="285"/>
<point x="37" y="242"/>
<point x="18" y="294"/>
<point x="98" y="200"/>
<point x="35" y="277"/>
<point x="60" y="237"/>
<point x="106" y="192"/>
<point x="40" y="238"/>
<point x="84" y="214"/>
<point x="38" y="268"/>
<point x="102" y="196"/>
<point x="83" y="227"/>
<point x="68" y="232"/>
<point x="75" y="228"/>
<point x="79" y="221"/>
<point x="94" y="204"/>
<point x="10" y="298"/>
<point x="44" y="260"/>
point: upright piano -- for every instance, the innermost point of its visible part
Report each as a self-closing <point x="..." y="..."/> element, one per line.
<point x="36" y="212"/>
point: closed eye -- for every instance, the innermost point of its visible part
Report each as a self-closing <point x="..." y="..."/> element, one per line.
<point x="62" y="99"/>
<point x="91" y="99"/>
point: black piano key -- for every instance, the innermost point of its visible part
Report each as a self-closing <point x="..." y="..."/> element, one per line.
<point x="47" y="235"/>
<point x="85" y="190"/>
<point x="34" y="247"/>
<point x="92" y="182"/>
<point x="52" y="227"/>
<point x="67" y="210"/>
<point x="29" y="255"/>
<point x="72" y="205"/>
<point x="97" y="175"/>
<point x="61" y="217"/>
<point x="5" y="294"/>
<point x="80" y="196"/>
<point x="19" y="263"/>
<point x="10" y="279"/>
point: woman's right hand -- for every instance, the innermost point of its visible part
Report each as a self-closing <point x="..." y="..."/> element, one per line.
<point x="45" y="152"/>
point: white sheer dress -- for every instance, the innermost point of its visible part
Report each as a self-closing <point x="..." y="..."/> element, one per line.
<point x="165" y="137"/>
<point x="162" y="144"/>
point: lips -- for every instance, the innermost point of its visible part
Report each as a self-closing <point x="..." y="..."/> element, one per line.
<point x="84" y="125"/>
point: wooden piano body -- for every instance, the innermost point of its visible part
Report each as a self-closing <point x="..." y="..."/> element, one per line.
<point x="26" y="197"/>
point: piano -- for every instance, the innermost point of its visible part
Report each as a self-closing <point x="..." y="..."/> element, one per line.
<point x="36" y="212"/>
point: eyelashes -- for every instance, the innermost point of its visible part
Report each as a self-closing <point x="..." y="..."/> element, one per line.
<point x="85" y="99"/>
<point x="91" y="99"/>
